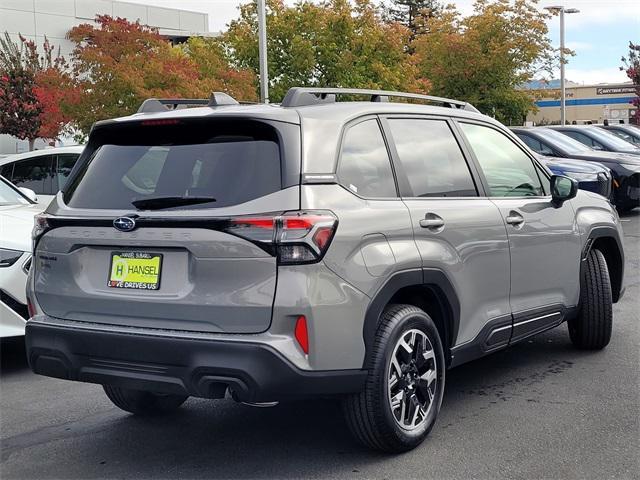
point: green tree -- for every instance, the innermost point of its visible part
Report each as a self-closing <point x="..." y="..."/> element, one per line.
<point x="212" y="62"/>
<point x="333" y="43"/>
<point x="484" y="58"/>
<point x="413" y="13"/>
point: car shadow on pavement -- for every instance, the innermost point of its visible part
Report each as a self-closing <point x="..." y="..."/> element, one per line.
<point x="631" y="214"/>
<point x="222" y="439"/>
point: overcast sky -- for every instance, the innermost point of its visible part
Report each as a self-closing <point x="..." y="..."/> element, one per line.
<point x="599" y="34"/>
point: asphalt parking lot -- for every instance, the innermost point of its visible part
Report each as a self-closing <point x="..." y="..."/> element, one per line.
<point x="539" y="409"/>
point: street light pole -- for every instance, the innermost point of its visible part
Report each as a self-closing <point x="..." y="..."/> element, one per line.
<point x="562" y="10"/>
<point x="262" y="52"/>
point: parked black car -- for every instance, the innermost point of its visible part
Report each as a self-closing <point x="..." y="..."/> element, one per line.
<point x="591" y="176"/>
<point x="597" y="138"/>
<point x="628" y="133"/>
<point x="624" y="167"/>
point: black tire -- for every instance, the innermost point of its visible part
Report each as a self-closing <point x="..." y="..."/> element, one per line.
<point x="591" y="328"/>
<point x="141" y="402"/>
<point x="369" y="414"/>
<point x="625" y="208"/>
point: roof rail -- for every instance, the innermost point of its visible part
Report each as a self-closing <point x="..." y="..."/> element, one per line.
<point x="152" y="105"/>
<point x="301" y="96"/>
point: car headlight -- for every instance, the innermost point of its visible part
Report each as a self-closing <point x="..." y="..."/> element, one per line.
<point x="9" y="257"/>
<point x="583" y="177"/>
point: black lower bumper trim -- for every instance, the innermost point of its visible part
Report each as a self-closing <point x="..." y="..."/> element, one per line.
<point x="197" y="367"/>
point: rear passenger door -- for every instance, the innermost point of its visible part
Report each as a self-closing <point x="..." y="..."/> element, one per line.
<point x="457" y="230"/>
<point x="544" y="239"/>
<point x="35" y="173"/>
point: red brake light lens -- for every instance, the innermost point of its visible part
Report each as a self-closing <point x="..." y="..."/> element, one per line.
<point x="322" y="237"/>
<point x="259" y="222"/>
<point x="160" y="122"/>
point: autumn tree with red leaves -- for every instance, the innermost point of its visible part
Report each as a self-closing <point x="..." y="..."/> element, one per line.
<point x="19" y="106"/>
<point x="57" y="92"/>
<point x="631" y="66"/>
<point x="119" y="64"/>
<point x="34" y="90"/>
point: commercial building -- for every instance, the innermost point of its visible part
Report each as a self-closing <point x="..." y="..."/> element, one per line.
<point x="586" y="104"/>
<point x="35" y="19"/>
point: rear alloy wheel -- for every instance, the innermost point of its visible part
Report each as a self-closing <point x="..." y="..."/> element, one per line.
<point x="141" y="402"/>
<point x="411" y="381"/>
<point x="591" y="328"/>
<point x="404" y="388"/>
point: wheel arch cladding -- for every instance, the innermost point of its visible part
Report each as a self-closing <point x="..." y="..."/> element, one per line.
<point x="606" y="240"/>
<point x="428" y="289"/>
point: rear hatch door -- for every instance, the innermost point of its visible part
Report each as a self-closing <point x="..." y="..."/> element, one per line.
<point x="144" y="233"/>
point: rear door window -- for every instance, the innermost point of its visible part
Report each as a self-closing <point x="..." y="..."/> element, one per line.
<point x="35" y="174"/>
<point x="431" y="158"/>
<point x="230" y="162"/>
<point x="582" y="138"/>
<point x="535" y="144"/>
<point x="64" y="165"/>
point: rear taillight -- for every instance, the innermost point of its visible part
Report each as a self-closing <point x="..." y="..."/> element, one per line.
<point x="296" y="237"/>
<point x="40" y="227"/>
<point x="31" y="309"/>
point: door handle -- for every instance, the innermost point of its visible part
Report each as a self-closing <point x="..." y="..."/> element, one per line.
<point x="432" y="221"/>
<point x="515" y="219"/>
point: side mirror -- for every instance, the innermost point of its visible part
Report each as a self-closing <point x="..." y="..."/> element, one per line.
<point x="30" y="194"/>
<point x="562" y="189"/>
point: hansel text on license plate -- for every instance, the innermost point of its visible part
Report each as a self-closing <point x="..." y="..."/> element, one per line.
<point x="138" y="270"/>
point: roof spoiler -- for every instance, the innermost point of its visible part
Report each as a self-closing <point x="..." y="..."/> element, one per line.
<point x="301" y="96"/>
<point x="217" y="99"/>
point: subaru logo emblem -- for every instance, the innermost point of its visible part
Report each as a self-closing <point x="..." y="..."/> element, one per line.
<point x="124" y="224"/>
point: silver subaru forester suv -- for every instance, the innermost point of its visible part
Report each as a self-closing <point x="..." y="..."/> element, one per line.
<point x="312" y="248"/>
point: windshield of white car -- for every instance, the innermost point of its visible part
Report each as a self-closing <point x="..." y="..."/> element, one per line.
<point x="9" y="196"/>
<point x="563" y="142"/>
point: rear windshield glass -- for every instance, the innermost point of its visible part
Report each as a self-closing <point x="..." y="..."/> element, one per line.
<point x="231" y="163"/>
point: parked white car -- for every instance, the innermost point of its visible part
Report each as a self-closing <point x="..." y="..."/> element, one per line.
<point x="43" y="171"/>
<point x="17" y="209"/>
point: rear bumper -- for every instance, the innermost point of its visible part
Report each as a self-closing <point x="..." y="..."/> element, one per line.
<point x="191" y="366"/>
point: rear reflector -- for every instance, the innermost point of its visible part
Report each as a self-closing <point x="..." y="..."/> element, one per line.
<point x="301" y="333"/>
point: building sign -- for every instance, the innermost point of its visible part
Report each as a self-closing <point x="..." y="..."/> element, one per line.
<point x="615" y="90"/>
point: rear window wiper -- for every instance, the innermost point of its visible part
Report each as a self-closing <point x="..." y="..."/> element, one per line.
<point x="157" y="203"/>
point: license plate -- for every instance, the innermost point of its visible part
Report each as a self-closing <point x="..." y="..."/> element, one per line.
<point x="138" y="270"/>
